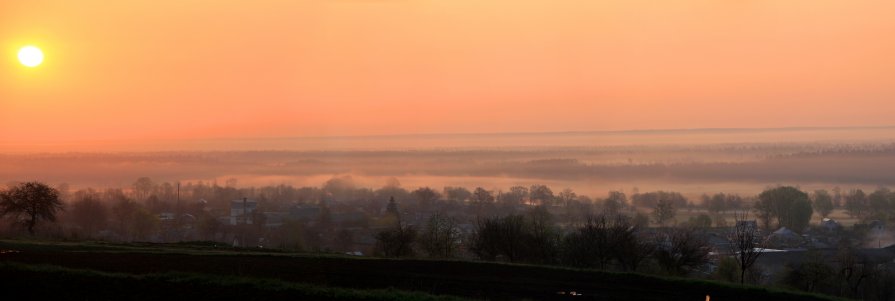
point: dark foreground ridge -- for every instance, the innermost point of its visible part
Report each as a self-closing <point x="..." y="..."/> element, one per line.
<point x="148" y="271"/>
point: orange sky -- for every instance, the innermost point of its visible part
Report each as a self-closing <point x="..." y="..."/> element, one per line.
<point x="144" y="70"/>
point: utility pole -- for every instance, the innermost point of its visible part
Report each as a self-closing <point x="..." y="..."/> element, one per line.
<point x="245" y="212"/>
<point x="179" y="206"/>
<point x="178" y="218"/>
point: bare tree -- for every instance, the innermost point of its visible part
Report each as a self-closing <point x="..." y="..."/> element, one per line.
<point x="823" y="202"/>
<point x="440" y="236"/>
<point x="566" y="196"/>
<point x="482" y="201"/>
<point x="811" y="275"/>
<point x="591" y="245"/>
<point x="856" y="203"/>
<point x="746" y="243"/>
<point x="499" y="236"/>
<point x="88" y="212"/>
<point x="459" y="194"/>
<point x="124" y="212"/>
<point x="630" y="251"/>
<point x="29" y="203"/>
<point x="684" y="250"/>
<point x="397" y="241"/>
<point x="614" y="203"/>
<point x="541" y="236"/>
<point x="540" y="193"/>
<point x="664" y="211"/>
<point x="515" y="196"/>
<point x="143" y="188"/>
<point x="425" y="197"/>
<point x="855" y="272"/>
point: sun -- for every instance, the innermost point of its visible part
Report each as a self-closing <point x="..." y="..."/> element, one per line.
<point x="31" y="56"/>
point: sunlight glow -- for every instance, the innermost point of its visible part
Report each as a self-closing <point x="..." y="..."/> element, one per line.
<point x="31" y="56"/>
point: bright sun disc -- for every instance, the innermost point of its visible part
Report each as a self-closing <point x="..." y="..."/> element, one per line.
<point x="31" y="56"/>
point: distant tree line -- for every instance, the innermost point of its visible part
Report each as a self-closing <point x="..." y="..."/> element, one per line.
<point x="132" y="212"/>
<point x="601" y="242"/>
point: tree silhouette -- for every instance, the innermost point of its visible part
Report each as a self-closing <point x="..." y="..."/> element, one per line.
<point x="482" y="200"/>
<point x="541" y="193"/>
<point x="88" y="212"/>
<point x="143" y="187"/>
<point x="746" y="243"/>
<point x="591" y="245"/>
<point x="614" y="203"/>
<point x="29" y="203"/>
<point x="440" y="236"/>
<point x="856" y="203"/>
<point x="823" y="202"/>
<point x="500" y="236"/>
<point x="396" y="241"/>
<point x="392" y="207"/>
<point x="664" y="212"/>
<point x="425" y="197"/>
<point x="457" y="193"/>
<point x="789" y="205"/>
<point x="682" y="251"/>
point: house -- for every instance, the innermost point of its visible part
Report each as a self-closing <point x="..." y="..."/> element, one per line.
<point x="719" y="241"/>
<point x="187" y="220"/>
<point x="830" y="225"/>
<point x="241" y="211"/>
<point x="772" y="262"/>
<point x="351" y="217"/>
<point x="274" y="219"/>
<point x="166" y="216"/>
<point x="785" y="238"/>
<point x="304" y="213"/>
<point x="750" y="224"/>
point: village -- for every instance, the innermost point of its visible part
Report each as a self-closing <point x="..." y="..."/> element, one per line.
<point x="780" y="237"/>
<point x="349" y="220"/>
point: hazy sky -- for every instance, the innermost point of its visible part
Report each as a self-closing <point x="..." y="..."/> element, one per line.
<point x="121" y="70"/>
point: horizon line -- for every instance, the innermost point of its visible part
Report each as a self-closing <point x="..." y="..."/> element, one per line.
<point x="509" y="133"/>
<point x="521" y="133"/>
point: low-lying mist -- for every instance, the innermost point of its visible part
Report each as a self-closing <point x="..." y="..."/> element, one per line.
<point x="692" y="168"/>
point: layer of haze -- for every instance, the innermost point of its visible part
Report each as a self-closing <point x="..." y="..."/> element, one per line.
<point x="692" y="162"/>
<point x="144" y="71"/>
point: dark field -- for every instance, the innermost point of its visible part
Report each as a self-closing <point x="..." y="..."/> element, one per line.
<point x="205" y="272"/>
<point x="43" y="282"/>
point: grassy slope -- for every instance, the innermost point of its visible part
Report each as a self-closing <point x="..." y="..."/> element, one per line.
<point x="459" y="278"/>
<point x="50" y="282"/>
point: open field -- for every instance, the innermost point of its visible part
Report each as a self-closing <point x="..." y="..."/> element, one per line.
<point x="141" y="267"/>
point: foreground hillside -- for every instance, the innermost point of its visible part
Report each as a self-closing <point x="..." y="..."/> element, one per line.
<point x="45" y="282"/>
<point x="106" y="271"/>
